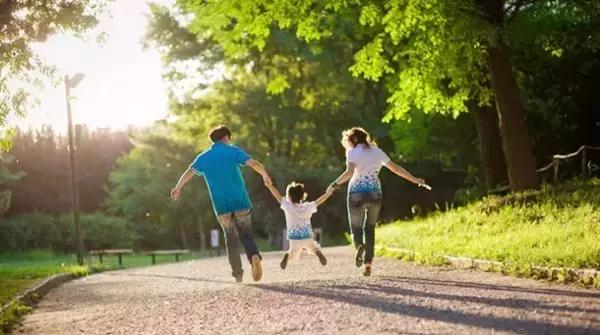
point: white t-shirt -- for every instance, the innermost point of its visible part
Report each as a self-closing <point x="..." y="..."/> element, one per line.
<point x="297" y="218"/>
<point x="368" y="162"/>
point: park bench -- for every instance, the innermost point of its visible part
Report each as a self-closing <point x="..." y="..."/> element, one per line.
<point x="175" y="252"/>
<point x="118" y="252"/>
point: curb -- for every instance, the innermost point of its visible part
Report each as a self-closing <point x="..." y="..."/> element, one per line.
<point x="32" y="295"/>
<point x="589" y="277"/>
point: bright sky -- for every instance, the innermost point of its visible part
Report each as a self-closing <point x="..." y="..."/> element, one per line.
<point x="122" y="84"/>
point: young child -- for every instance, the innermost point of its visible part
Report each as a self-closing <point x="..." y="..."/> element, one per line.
<point x="297" y="218"/>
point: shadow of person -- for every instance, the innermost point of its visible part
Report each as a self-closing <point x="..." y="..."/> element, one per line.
<point x="389" y="300"/>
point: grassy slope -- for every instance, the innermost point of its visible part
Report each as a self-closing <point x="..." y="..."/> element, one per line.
<point x="556" y="226"/>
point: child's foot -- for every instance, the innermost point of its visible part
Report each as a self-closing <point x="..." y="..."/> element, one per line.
<point x="256" y="268"/>
<point x="322" y="258"/>
<point x="284" y="260"/>
<point x="359" y="255"/>
<point x="367" y="271"/>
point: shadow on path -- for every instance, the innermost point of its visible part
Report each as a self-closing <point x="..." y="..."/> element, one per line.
<point x="197" y="279"/>
<point x="588" y="294"/>
<point x="390" y="302"/>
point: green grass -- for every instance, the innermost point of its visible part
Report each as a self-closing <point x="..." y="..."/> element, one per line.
<point x="557" y="226"/>
<point x="19" y="271"/>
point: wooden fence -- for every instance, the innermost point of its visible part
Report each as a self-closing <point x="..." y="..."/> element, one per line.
<point x="586" y="165"/>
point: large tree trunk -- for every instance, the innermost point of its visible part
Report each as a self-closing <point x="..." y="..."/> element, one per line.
<point x="515" y="138"/>
<point x="491" y="155"/>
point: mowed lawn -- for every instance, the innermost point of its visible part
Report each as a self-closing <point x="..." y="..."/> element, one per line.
<point x="18" y="271"/>
<point x="557" y="226"/>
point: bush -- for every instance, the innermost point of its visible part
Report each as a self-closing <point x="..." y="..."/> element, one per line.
<point x="56" y="232"/>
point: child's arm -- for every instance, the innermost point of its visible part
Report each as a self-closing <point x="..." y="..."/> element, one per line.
<point x="185" y="177"/>
<point x="274" y="191"/>
<point x="325" y="196"/>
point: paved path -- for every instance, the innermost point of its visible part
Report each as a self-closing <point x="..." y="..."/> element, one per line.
<point x="199" y="297"/>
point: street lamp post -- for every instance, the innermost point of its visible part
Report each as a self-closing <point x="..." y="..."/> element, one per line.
<point x="72" y="83"/>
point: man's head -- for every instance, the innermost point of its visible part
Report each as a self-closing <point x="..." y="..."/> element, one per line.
<point x="220" y="134"/>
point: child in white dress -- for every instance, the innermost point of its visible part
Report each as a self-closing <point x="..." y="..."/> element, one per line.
<point x="297" y="217"/>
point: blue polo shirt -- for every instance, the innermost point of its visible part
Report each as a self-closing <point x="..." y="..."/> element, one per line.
<point x="220" y="166"/>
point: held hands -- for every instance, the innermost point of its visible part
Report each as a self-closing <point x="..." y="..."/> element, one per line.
<point x="267" y="180"/>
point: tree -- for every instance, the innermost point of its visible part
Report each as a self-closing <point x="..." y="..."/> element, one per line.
<point x="428" y="53"/>
<point x="23" y="23"/>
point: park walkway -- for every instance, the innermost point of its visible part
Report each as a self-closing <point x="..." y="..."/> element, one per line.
<point x="199" y="297"/>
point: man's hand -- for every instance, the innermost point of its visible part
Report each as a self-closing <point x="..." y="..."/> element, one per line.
<point x="175" y="192"/>
<point x="419" y="181"/>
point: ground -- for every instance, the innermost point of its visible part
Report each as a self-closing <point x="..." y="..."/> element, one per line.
<point x="200" y="297"/>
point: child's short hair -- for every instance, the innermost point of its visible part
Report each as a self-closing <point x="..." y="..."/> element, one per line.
<point x="295" y="192"/>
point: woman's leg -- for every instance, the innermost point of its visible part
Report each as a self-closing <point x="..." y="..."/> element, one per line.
<point x="373" y="210"/>
<point x="356" y="218"/>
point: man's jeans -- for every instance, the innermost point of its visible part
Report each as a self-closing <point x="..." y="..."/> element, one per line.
<point x="363" y="213"/>
<point x="237" y="226"/>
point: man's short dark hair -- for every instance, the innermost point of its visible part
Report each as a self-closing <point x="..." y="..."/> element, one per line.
<point x="295" y="192"/>
<point x="219" y="133"/>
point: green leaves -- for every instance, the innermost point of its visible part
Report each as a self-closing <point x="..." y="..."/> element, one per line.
<point x="370" y="62"/>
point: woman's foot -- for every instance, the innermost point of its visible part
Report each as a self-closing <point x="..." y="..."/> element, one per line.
<point x="367" y="270"/>
<point x="322" y="258"/>
<point x="284" y="260"/>
<point x="360" y="250"/>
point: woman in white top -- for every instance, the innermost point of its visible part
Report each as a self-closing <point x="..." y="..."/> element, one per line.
<point x="363" y="163"/>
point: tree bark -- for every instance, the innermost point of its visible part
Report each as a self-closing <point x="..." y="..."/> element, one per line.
<point x="515" y="138"/>
<point x="491" y="156"/>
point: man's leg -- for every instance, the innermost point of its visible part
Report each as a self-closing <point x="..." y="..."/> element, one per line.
<point x="243" y="221"/>
<point x="231" y="243"/>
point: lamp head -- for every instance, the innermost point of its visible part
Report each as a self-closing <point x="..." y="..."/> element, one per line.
<point x="75" y="80"/>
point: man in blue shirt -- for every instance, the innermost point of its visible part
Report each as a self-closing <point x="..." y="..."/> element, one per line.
<point x="220" y="167"/>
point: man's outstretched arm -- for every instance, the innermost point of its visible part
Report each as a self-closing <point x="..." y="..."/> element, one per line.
<point x="260" y="169"/>
<point x="185" y="177"/>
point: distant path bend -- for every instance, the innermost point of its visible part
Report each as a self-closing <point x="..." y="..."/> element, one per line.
<point x="199" y="297"/>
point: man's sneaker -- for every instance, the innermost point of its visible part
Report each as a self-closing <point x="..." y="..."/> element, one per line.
<point x="360" y="250"/>
<point x="322" y="258"/>
<point x="256" y="268"/>
<point x="367" y="271"/>
<point x="284" y="260"/>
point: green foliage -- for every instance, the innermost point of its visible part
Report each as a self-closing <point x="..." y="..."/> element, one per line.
<point x="555" y="226"/>
<point x="140" y="186"/>
<point x="41" y="231"/>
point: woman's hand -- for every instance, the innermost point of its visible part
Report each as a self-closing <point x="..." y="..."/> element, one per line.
<point x="418" y="181"/>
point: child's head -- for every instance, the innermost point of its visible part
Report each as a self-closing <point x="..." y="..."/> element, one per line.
<point x="295" y="192"/>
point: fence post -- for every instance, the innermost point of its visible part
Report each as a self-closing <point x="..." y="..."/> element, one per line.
<point x="556" y="164"/>
<point x="584" y="171"/>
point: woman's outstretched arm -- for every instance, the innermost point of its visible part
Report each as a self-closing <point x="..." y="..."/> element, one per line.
<point x="400" y="171"/>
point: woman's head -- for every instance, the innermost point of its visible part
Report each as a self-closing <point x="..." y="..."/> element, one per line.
<point x="295" y="192"/>
<point x="355" y="136"/>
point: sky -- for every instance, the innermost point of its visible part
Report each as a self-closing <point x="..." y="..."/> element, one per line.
<point x="122" y="85"/>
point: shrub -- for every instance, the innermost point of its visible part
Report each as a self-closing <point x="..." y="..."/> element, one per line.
<point x="56" y="232"/>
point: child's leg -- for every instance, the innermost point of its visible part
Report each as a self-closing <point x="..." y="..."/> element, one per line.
<point x="315" y="248"/>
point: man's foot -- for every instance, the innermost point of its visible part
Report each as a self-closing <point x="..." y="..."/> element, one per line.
<point x="239" y="278"/>
<point x="284" y="260"/>
<point x="360" y="250"/>
<point x="367" y="271"/>
<point x="322" y="258"/>
<point x="256" y="268"/>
